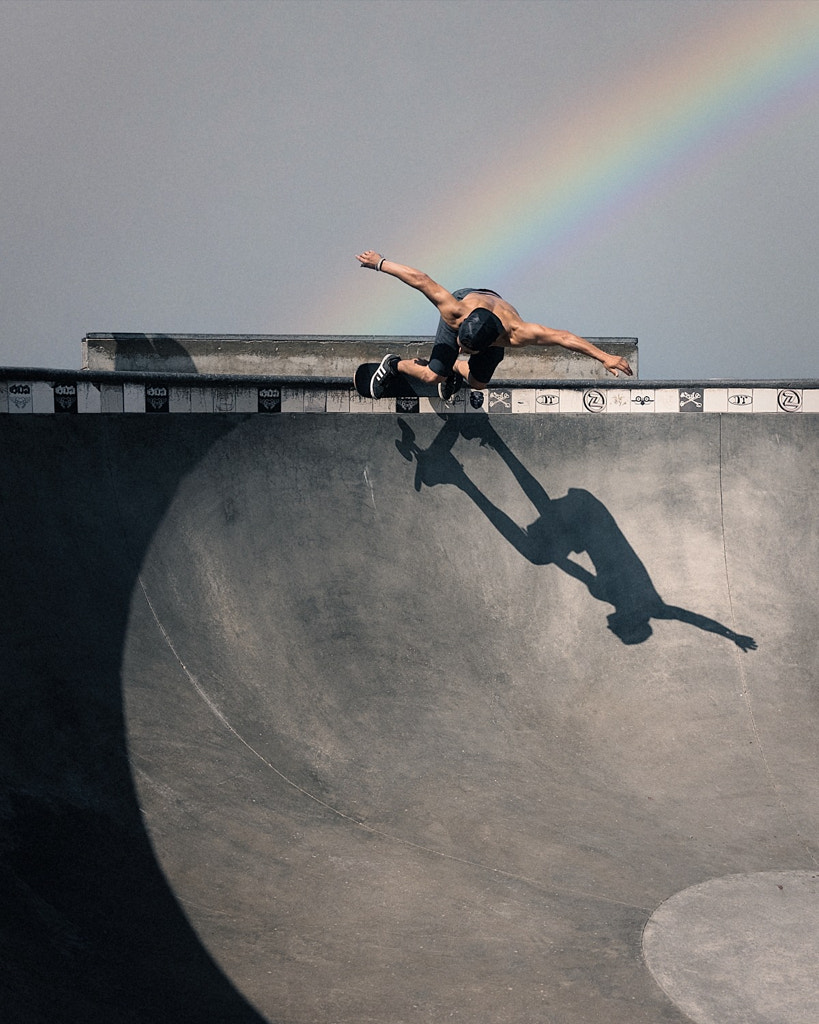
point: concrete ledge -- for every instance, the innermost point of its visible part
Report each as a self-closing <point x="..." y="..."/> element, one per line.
<point x="307" y="355"/>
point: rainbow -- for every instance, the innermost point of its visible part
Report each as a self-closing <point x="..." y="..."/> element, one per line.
<point x="649" y="133"/>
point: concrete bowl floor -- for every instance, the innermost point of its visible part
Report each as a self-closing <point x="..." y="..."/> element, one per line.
<point x="379" y="719"/>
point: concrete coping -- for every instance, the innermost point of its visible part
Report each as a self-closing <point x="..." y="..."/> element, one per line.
<point x="306" y="355"/>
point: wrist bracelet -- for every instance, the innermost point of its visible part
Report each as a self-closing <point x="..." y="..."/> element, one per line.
<point x="378" y="265"/>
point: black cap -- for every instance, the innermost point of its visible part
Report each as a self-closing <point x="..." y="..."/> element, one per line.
<point x="479" y="330"/>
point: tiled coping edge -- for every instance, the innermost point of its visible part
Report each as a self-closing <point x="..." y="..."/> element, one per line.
<point x="37" y="391"/>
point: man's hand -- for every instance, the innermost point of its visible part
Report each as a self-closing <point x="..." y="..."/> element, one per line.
<point x="615" y="363"/>
<point x="370" y="259"/>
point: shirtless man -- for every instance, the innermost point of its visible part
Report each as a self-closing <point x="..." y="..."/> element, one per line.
<point x="475" y="322"/>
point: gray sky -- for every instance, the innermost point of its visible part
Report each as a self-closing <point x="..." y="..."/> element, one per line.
<point x="642" y="168"/>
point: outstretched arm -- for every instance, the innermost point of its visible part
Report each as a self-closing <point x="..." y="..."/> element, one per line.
<point x="537" y="334"/>
<point x="449" y="307"/>
<point x="670" y="611"/>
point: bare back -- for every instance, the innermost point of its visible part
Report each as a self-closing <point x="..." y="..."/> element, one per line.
<point x="503" y="310"/>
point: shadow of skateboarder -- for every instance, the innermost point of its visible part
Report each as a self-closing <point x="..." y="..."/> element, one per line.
<point x="574" y="523"/>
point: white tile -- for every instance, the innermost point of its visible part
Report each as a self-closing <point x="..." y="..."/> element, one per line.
<point x="338" y="401"/>
<point x="571" y="400"/>
<point x="715" y="400"/>
<point x="764" y="400"/>
<point x="384" y="405"/>
<point x="247" y="399"/>
<point x="360" y="403"/>
<point x="42" y="394"/>
<point x="179" y="399"/>
<point x="201" y="400"/>
<point x="133" y="397"/>
<point x="89" y="397"/>
<point x="315" y="400"/>
<point x="224" y="399"/>
<point x="523" y="400"/>
<point x="292" y="399"/>
<point x="810" y="400"/>
<point x="111" y="398"/>
<point x="667" y="400"/>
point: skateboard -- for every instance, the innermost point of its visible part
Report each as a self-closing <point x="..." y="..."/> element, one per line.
<point x="397" y="387"/>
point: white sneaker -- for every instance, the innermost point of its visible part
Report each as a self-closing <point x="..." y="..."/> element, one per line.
<point x="387" y="368"/>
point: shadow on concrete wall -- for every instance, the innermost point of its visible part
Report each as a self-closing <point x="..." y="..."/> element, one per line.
<point x="576" y="522"/>
<point x="147" y="352"/>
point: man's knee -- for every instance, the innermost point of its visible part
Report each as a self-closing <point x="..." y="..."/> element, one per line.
<point x="427" y="376"/>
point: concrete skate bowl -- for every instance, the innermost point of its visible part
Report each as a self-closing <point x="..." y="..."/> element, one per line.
<point x="381" y="719"/>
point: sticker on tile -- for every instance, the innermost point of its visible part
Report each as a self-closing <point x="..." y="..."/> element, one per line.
<point x="642" y="401"/>
<point x="594" y="400"/>
<point x="269" y="400"/>
<point x="499" y="400"/>
<point x="65" y="398"/>
<point x="458" y="403"/>
<point x="740" y="400"/>
<point x="547" y="401"/>
<point x="21" y="397"/>
<point x="477" y="402"/>
<point x="407" y="403"/>
<point x="691" y="400"/>
<point x="224" y="399"/>
<point x="157" y="398"/>
<point x="618" y="401"/>
<point x="789" y="400"/>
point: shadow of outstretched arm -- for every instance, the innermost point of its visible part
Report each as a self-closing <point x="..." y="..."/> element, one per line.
<point x="577" y="522"/>
<point x="670" y="611"/>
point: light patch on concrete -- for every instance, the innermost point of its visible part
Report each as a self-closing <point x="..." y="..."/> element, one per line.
<point x="740" y="950"/>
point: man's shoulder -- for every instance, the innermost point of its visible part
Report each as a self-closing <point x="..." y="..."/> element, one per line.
<point x="520" y="333"/>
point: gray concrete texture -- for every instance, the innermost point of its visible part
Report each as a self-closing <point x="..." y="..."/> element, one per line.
<point x="312" y="356"/>
<point x="375" y="720"/>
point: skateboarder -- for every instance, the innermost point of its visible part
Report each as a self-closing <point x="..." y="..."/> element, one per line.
<point x="476" y="322"/>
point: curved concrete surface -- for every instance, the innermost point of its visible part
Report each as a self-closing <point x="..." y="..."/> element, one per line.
<point x="369" y="719"/>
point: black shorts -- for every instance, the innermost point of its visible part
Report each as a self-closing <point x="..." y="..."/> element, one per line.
<point x="445" y="349"/>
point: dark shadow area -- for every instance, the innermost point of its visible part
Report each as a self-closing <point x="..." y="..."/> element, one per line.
<point x="151" y="352"/>
<point x="89" y="929"/>
<point x="574" y="523"/>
